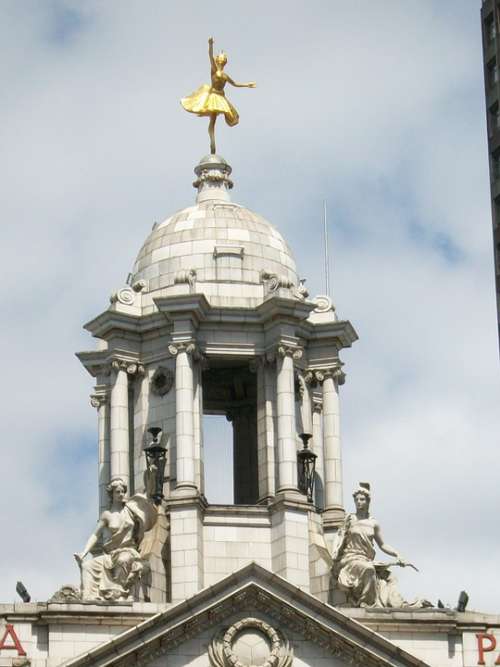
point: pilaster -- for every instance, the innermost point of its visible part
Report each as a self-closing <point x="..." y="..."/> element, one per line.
<point x="290" y="541"/>
<point x="120" y="463"/>
<point x="100" y="401"/>
<point x="285" y="400"/>
<point x="318" y="449"/>
<point x="186" y="547"/>
<point x="266" y="428"/>
<point x="184" y="417"/>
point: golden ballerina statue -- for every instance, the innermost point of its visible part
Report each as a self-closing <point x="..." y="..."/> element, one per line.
<point x="210" y="100"/>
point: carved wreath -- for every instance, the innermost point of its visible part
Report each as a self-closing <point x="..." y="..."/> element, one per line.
<point x="162" y="381"/>
<point x="221" y="652"/>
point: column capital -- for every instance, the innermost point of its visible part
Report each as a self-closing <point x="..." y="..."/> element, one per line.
<point x="263" y="360"/>
<point x="130" y="367"/>
<point x="319" y="375"/>
<point x="188" y="346"/>
<point x="97" y="400"/>
<point x="285" y="350"/>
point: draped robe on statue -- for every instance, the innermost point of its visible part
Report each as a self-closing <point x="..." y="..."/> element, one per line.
<point x="356" y="570"/>
<point x="110" y="576"/>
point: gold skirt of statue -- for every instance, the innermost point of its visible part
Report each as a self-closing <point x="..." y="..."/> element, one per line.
<point x="206" y="102"/>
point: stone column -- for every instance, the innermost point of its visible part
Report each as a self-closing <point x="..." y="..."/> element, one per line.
<point x="101" y="402"/>
<point x="119" y="418"/>
<point x="317" y="447"/>
<point x="266" y="428"/>
<point x="184" y="417"/>
<point x="331" y="378"/>
<point x="287" y="445"/>
<point x="245" y="477"/>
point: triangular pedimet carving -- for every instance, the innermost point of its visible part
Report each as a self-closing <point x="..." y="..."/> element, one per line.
<point x="256" y="598"/>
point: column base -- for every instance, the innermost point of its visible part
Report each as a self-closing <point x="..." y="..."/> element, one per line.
<point x="294" y="497"/>
<point x="185" y="491"/>
<point x="333" y="518"/>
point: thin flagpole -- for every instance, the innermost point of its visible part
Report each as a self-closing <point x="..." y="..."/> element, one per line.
<point x="327" y="260"/>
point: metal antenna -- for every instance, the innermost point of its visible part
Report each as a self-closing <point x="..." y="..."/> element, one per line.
<point x="327" y="260"/>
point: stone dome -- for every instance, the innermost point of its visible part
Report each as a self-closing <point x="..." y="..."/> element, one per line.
<point x="218" y="248"/>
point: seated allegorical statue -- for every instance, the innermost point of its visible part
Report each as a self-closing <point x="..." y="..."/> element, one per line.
<point x="113" y="574"/>
<point x="365" y="582"/>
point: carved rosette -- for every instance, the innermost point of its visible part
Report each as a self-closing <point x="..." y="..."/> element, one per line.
<point x="162" y="381"/>
<point x="240" y="646"/>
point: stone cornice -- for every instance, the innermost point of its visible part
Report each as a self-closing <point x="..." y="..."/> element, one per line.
<point x="109" y="320"/>
<point x="194" y="307"/>
<point x="278" y="308"/>
<point x="102" y="362"/>
<point x="115" y="322"/>
<point x="328" y="333"/>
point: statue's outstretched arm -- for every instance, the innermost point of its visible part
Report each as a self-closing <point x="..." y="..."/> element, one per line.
<point x="91" y="542"/>
<point x="390" y="551"/>
<point x="211" y="53"/>
<point x="250" y="84"/>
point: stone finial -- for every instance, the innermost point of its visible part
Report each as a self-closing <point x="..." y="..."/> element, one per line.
<point x="212" y="182"/>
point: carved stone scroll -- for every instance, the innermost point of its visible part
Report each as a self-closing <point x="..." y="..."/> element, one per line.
<point x="125" y="295"/>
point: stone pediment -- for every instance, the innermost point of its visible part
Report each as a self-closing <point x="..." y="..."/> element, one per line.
<point x="255" y="601"/>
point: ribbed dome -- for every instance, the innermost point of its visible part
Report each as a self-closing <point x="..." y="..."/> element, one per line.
<point x="225" y="249"/>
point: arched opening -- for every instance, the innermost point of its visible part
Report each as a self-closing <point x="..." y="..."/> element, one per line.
<point x="230" y="391"/>
<point x="218" y="459"/>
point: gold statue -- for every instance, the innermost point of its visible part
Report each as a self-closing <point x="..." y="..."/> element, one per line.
<point x="211" y="100"/>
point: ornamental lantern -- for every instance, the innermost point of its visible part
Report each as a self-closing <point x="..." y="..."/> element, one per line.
<point x="155" y="459"/>
<point x="306" y="460"/>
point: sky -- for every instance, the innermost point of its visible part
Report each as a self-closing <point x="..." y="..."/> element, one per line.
<point x="377" y="108"/>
